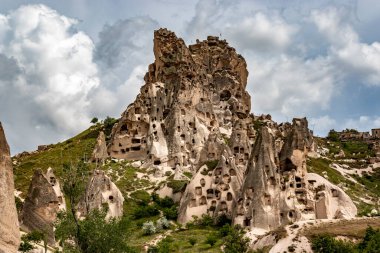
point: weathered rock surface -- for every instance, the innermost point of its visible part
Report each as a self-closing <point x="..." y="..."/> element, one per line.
<point x="99" y="154"/>
<point x="9" y="226"/>
<point x="193" y="115"/>
<point x="331" y="201"/>
<point x="100" y="190"/>
<point x="190" y="93"/>
<point x="42" y="204"/>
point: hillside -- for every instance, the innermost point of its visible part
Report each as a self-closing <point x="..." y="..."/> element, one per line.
<point x="188" y="159"/>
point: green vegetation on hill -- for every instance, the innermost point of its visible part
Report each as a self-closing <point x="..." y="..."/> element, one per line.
<point x="77" y="148"/>
<point x="328" y="244"/>
<point x="367" y="187"/>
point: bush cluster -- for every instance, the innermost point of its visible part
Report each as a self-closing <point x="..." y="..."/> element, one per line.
<point x="328" y="244"/>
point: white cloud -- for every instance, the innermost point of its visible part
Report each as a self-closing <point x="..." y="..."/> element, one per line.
<point x="261" y="33"/>
<point x="56" y="72"/>
<point x="353" y="57"/>
<point x="362" y="123"/>
<point x="292" y="86"/>
<point x="322" y="125"/>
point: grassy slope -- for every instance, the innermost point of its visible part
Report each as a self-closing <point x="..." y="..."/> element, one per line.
<point x="350" y="228"/>
<point x="369" y="185"/>
<point x="125" y="177"/>
<point x="73" y="149"/>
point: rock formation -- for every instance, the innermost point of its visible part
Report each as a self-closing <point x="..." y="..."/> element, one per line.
<point x="9" y="229"/>
<point x="99" y="154"/>
<point x="100" y="190"/>
<point x="42" y="204"/>
<point x="193" y="115"/>
<point x="331" y="202"/>
<point x="191" y="94"/>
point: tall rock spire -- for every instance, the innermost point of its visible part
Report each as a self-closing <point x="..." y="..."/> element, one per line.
<point x="9" y="227"/>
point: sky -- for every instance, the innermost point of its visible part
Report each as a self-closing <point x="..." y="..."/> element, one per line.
<point x="64" y="62"/>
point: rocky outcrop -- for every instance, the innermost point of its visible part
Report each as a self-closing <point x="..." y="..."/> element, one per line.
<point x="193" y="115"/>
<point x="100" y="191"/>
<point x="99" y="154"/>
<point x="331" y="202"/>
<point x="190" y="95"/>
<point x="9" y="227"/>
<point x="258" y="204"/>
<point x="42" y="204"/>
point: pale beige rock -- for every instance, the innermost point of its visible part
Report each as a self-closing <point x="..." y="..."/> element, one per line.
<point x="99" y="154"/>
<point x="42" y="204"/>
<point x="9" y="226"/>
<point x="100" y="190"/>
<point x="331" y="201"/>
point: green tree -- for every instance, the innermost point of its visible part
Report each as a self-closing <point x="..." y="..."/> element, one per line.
<point x="108" y="125"/>
<point x="32" y="237"/>
<point x="235" y="241"/>
<point x="328" y="244"/>
<point x="370" y="242"/>
<point x="333" y="135"/>
<point x="93" y="234"/>
<point x="94" y="120"/>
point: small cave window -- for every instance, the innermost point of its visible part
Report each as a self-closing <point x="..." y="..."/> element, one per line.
<point x="157" y="162"/>
<point x="232" y="172"/>
<point x="225" y="95"/>
<point x="247" y="222"/>
<point x="137" y="148"/>
<point x="229" y="196"/>
<point x="291" y="214"/>
<point x="288" y="165"/>
<point x="136" y="141"/>
<point x="203" y="201"/>
<point x="124" y="128"/>
<point x="203" y="182"/>
<point x="198" y="190"/>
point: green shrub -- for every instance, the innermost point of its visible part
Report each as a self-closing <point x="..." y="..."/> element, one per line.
<point x="145" y="211"/>
<point x="141" y="196"/>
<point x="328" y="244"/>
<point x="149" y="228"/>
<point x="162" y="223"/>
<point x="171" y="213"/>
<point x="32" y="237"/>
<point x="370" y="242"/>
<point x="192" y="241"/>
<point x="177" y="185"/>
<point x="211" y="165"/>
<point x="211" y="239"/>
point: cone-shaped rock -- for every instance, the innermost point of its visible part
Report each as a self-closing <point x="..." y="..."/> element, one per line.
<point x="100" y="190"/>
<point x="9" y="227"/>
<point x="42" y="204"/>
<point x="99" y="154"/>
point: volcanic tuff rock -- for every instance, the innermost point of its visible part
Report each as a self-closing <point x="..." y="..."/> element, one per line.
<point x="99" y="154"/>
<point x="193" y="115"/>
<point x="9" y="231"/>
<point x="42" y="204"/>
<point x="101" y="190"/>
<point x="190" y="94"/>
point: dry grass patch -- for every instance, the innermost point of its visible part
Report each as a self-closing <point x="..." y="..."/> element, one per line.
<point x="349" y="228"/>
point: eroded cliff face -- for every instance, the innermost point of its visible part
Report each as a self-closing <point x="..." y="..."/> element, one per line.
<point x="9" y="227"/>
<point x="193" y="115"/>
<point x="191" y="94"/>
<point x="42" y="204"/>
